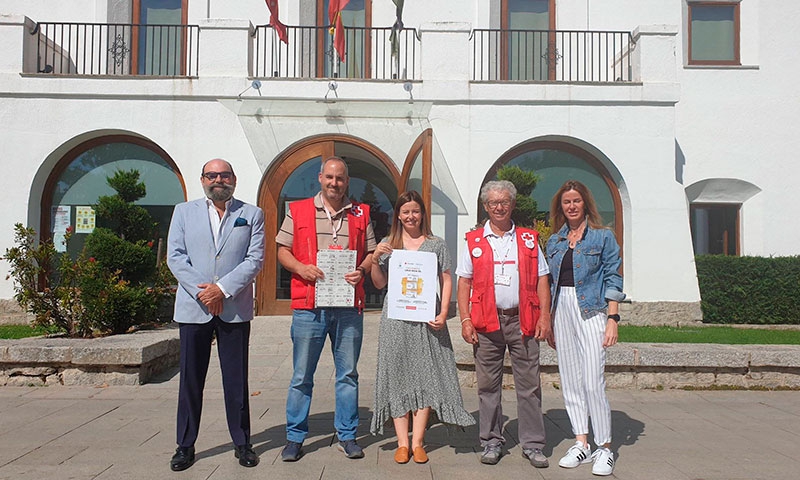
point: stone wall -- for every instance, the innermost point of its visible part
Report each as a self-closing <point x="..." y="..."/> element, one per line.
<point x="12" y="314"/>
<point x="661" y="313"/>
<point x="670" y="365"/>
<point x="130" y="359"/>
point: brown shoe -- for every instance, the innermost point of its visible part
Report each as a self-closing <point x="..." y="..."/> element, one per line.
<point x="401" y="455"/>
<point x="420" y="456"/>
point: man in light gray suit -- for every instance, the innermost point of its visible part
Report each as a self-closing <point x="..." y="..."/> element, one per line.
<point x="215" y="250"/>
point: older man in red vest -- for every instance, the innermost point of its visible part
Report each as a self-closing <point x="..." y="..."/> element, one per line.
<point x="504" y="302"/>
<point x="328" y="220"/>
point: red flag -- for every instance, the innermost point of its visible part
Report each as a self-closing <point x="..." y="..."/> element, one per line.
<point x="335" y="8"/>
<point x="280" y="28"/>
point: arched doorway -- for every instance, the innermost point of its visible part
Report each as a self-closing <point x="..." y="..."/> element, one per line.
<point x="556" y="162"/>
<point x="374" y="179"/>
<point x="79" y="179"/>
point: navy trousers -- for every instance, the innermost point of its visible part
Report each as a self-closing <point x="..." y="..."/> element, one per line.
<point x="233" y="342"/>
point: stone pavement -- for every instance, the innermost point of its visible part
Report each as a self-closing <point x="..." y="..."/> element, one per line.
<point x="121" y="432"/>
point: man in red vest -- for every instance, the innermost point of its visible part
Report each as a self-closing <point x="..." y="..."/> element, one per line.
<point x="328" y="220"/>
<point x="504" y="302"/>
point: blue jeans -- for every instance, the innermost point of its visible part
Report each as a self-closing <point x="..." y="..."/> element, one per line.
<point x="345" y="327"/>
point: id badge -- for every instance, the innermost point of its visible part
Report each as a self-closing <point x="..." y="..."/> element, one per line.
<point x="504" y="280"/>
<point x="335" y="247"/>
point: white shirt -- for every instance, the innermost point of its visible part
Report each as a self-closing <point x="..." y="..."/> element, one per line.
<point x="504" y="252"/>
<point x="216" y="228"/>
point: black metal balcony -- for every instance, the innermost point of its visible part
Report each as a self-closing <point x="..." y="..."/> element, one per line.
<point x="310" y="54"/>
<point x="116" y="49"/>
<point x="572" y="56"/>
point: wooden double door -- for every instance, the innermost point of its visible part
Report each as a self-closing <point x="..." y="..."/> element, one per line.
<point x="374" y="179"/>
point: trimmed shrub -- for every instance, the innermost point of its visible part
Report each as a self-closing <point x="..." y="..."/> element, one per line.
<point x="114" y="283"/>
<point x="526" y="212"/>
<point x="135" y="262"/>
<point x="753" y="290"/>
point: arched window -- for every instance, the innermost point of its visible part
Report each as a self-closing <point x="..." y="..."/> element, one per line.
<point x="79" y="179"/>
<point x="556" y="162"/>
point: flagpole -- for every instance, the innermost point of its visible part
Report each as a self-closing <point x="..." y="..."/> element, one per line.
<point x="334" y="59"/>
<point x="276" y="61"/>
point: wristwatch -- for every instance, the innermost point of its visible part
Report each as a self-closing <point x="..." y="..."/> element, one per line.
<point x="614" y="316"/>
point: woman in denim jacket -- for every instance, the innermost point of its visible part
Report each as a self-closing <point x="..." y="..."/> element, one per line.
<point x="583" y="257"/>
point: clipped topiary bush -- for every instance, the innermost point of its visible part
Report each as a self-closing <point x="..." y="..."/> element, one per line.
<point x="114" y="283"/>
<point x="135" y="262"/>
<point x="526" y="212"/>
<point x="749" y="290"/>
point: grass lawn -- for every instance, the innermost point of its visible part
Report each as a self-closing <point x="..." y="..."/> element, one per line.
<point x="726" y="335"/>
<point x="20" y="331"/>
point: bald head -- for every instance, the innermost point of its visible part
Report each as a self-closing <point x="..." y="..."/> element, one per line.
<point x="218" y="165"/>
<point x="218" y="179"/>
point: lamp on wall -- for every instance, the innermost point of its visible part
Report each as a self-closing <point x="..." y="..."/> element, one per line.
<point x="408" y="86"/>
<point x="255" y="84"/>
<point x="332" y="86"/>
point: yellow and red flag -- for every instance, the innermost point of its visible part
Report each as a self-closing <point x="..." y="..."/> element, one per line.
<point x="280" y="28"/>
<point x="335" y="8"/>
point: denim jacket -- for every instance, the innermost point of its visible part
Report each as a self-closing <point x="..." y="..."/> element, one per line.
<point x="595" y="267"/>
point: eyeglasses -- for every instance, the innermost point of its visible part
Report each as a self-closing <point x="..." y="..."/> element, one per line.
<point x="211" y="176"/>
<point x="499" y="203"/>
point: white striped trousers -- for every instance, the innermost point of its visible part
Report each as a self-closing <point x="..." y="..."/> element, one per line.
<point x="581" y="366"/>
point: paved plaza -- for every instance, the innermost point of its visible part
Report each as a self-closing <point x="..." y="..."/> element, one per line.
<point x="98" y="432"/>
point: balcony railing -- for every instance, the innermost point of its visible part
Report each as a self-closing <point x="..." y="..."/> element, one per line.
<point x="116" y="49"/>
<point x="310" y="53"/>
<point x="551" y="56"/>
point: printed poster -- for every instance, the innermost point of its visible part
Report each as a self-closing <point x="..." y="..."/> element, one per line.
<point x="84" y="219"/>
<point x="413" y="283"/>
<point x="62" y="218"/>
<point x="333" y="290"/>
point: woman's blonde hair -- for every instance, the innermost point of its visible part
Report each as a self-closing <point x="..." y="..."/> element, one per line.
<point x="557" y="218"/>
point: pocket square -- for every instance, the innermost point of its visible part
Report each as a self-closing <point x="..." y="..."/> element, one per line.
<point x="240" y="222"/>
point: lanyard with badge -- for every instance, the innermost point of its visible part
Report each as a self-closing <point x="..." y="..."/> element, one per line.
<point x="334" y="229"/>
<point x="501" y="278"/>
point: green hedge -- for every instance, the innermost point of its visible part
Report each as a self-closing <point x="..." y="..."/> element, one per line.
<point x="755" y="290"/>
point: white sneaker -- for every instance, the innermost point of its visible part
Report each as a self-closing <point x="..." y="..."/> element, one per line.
<point x="576" y="455"/>
<point x="603" y="461"/>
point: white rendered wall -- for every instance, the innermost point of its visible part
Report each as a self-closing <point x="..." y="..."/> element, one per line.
<point x="741" y="123"/>
<point x="679" y="126"/>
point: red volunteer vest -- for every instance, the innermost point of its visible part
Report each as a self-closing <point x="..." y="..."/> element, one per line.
<point x="304" y="246"/>
<point x="482" y="300"/>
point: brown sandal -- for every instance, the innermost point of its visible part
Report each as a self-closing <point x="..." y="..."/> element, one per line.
<point x="401" y="455"/>
<point x="420" y="456"/>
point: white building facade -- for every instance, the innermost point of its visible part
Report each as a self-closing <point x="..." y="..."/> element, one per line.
<point x="679" y="115"/>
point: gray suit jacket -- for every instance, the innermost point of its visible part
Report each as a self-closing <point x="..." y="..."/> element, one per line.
<point x="193" y="259"/>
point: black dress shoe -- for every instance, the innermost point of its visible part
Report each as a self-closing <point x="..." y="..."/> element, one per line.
<point x="246" y="455"/>
<point x="183" y="459"/>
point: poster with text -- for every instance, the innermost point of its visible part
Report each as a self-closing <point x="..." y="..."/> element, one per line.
<point x="413" y="283"/>
<point x="84" y="219"/>
<point x="333" y="290"/>
<point x="62" y="218"/>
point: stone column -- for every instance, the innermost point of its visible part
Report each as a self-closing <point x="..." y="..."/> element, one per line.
<point x="444" y="59"/>
<point x="17" y="44"/>
<point x="225" y="48"/>
<point x="654" y="55"/>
